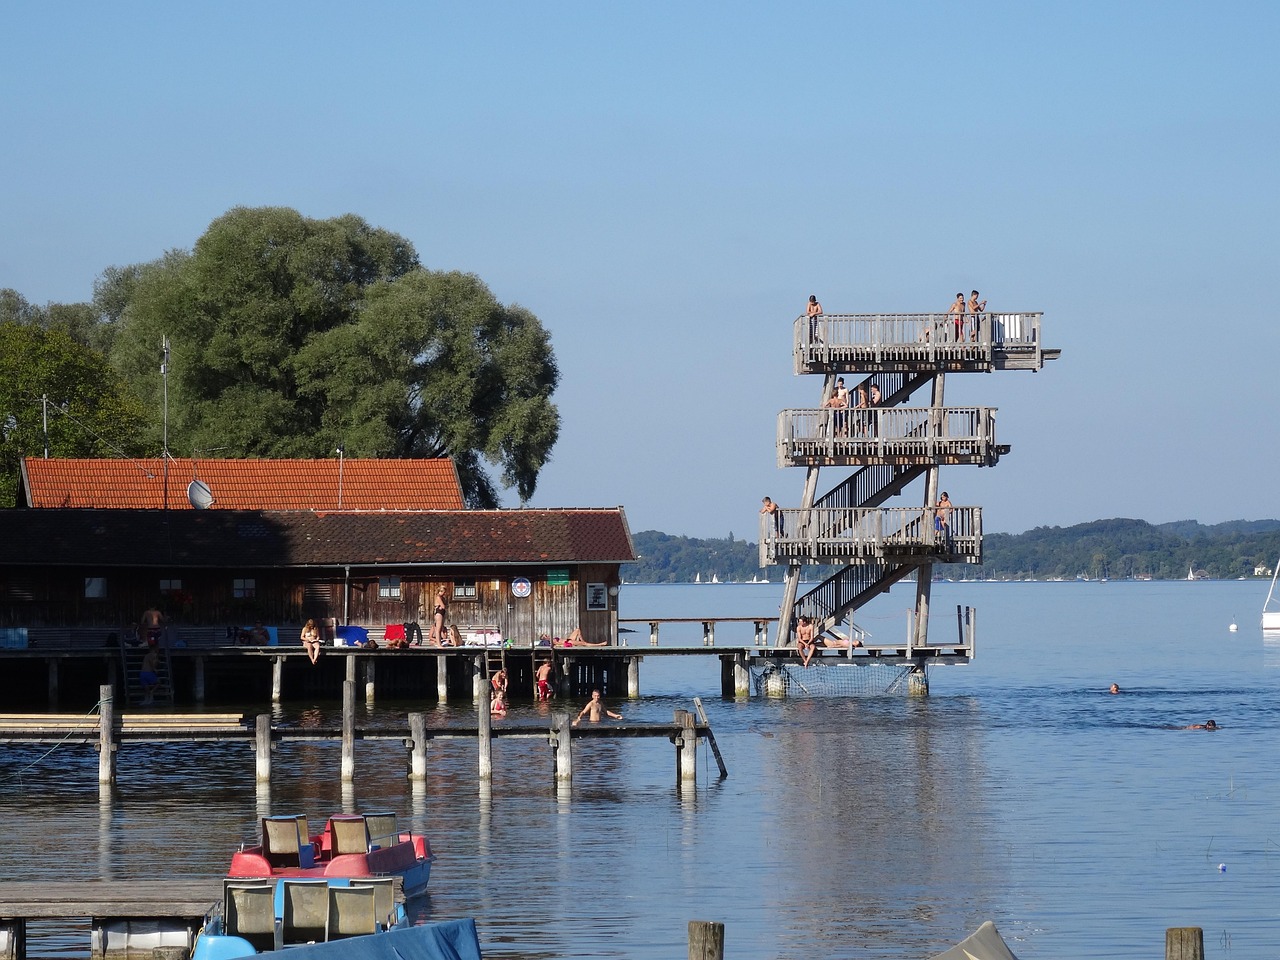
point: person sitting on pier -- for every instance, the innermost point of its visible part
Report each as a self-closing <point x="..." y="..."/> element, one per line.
<point x="311" y="641"/>
<point x="453" y="638"/>
<point x="259" y="636"/>
<point x="805" y="644"/>
<point x="544" y="691"/>
<point x="595" y="709"/>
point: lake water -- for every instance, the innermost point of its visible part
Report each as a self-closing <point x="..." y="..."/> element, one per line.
<point x="1084" y="824"/>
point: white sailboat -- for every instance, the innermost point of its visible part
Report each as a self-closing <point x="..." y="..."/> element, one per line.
<point x="1270" y="616"/>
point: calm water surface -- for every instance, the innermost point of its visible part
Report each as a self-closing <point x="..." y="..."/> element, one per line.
<point x="1020" y="791"/>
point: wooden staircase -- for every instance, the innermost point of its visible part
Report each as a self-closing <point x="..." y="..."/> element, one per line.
<point x="131" y="657"/>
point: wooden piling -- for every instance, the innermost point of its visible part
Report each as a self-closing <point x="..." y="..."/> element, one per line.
<point x="484" y="739"/>
<point x="349" y="730"/>
<point x="708" y="633"/>
<point x="686" y="748"/>
<point x="1184" y="943"/>
<point x="418" y="747"/>
<point x="562" y="734"/>
<point x="741" y="676"/>
<point x="442" y="679"/>
<point x="351" y="668"/>
<point x="277" y="678"/>
<point x="479" y="682"/>
<point x="106" y="736"/>
<point x="369" y="680"/>
<point x="633" y="677"/>
<point x="711" y="737"/>
<point x="706" y="940"/>
<point x="262" y="747"/>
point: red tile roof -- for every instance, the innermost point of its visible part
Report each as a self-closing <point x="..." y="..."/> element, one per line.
<point x="245" y="484"/>
<point x="223" y="539"/>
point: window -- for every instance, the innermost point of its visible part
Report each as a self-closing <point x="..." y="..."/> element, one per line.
<point x="244" y="588"/>
<point x="464" y="590"/>
<point x="388" y="588"/>
<point x="95" y="588"/>
<point x="170" y="586"/>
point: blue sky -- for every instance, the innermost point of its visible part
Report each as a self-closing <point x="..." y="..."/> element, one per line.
<point x="664" y="184"/>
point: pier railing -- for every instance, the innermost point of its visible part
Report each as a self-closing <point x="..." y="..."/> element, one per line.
<point x="897" y="434"/>
<point x="884" y="341"/>
<point x="852" y="534"/>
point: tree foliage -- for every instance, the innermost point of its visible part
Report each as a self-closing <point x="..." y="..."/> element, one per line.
<point x="92" y="413"/>
<point x="291" y="337"/>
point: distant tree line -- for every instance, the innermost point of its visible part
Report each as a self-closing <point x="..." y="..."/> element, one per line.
<point x="1116" y="549"/>
<point x="288" y="338"/>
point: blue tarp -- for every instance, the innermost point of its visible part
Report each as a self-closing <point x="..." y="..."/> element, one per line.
<point x="454" y="940"/>
<point x="349" y="635"/>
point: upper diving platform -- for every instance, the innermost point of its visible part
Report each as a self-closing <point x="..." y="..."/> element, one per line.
<point x="919" y="342"/>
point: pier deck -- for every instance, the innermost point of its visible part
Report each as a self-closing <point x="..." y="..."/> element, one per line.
<point x="83" y="899"/>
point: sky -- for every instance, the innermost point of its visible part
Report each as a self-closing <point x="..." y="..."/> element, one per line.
<point x="664" y="184"/>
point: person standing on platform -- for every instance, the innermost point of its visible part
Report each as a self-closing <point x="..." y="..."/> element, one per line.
<point x="814" y="312"/>
<point x="595" y="709"/>
<point x="837" y="402"/>
<point x="806" y="643"/>
<point x="151" y="626"/>
<point x="436" y="635"/>
<point x="942" y="520"/>
<point x="873" y="401"/>
<point x="957" y="309"/>
<point x="771" y="509"/>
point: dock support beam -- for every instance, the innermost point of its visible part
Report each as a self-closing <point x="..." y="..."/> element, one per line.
<point x="277" y="678"/>
<point x="418" y="747"/>
<point x="686" y="749"/>
<point x="741" y="676"/>
<point x="706" y="940"/>
<point x="485" y="738"/>
<point x="479" y="685"/>
<point x="1184" y="943"/>
<point x="918" y="681"/>
<point x="369" y="680"/>
<point x="562" y="737"/>
<point x="442" y="679"/>
<point x="349" y="731"/>
<point x="633" y="677"/>
<point x="198" y="692"/>
<point x="13" y="939"/>
<point x="262" y="747"/>
<point x="106" y="736"/>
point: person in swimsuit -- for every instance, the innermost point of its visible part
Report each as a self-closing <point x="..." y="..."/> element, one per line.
<point x="863" y="427"/>
<point x="436" y="635"/>
<point x="942" y="519"/>
<point x="543" y="676"/>
<point x="814" y="312"/>
<point x="771" y="509"/>
<point x="839" y="401"/>
<point x="873" y="401"/>
<point x="975" y="308"/>
<point x="957" y="308"/>
<point x="805" y="643"/>
<point x="499" y="682"/>
<point x="576" y="639"/>
<point x="1207" y="725"/>
<point x="151" y="627"/>
<point x="311" y="641"/>
<point x="1114" y="688"/>
<point x="148" y="676"/>
<point x="595" y="709"/>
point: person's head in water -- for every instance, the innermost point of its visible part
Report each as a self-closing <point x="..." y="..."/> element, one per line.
<point x="1210" y="725"/>
<point x="1114" y="688"/>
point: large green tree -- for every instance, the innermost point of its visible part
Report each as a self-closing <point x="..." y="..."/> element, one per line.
<point x="47" y="376"/>
<point x="290" y="337"/>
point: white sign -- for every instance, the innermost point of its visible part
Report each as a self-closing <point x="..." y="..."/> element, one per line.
<point x="597" y="596"/>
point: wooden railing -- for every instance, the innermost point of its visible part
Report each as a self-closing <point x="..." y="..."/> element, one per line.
<point x="919" y="434"/>
<point x="903" y="534"/>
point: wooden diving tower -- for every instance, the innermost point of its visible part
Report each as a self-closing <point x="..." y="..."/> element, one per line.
<point x="886" y="447"/>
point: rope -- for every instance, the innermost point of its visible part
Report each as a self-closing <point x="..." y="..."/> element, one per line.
<point x="96" y="708"/>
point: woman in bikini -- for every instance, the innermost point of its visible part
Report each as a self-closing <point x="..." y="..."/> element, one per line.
<point x="436" y="635"/>
<point x="311" y="641"/>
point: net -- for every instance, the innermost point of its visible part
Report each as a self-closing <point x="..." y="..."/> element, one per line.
<point x="779" y="680"/>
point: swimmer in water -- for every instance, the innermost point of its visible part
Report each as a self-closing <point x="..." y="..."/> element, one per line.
<point x="1114" y="688"/>
<point x="1207" y="725"/>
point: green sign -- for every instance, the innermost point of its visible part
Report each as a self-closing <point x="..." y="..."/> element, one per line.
<point x="558" y="577"/>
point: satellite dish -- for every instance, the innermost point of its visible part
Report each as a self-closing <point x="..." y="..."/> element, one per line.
<point x="199" y="494"/>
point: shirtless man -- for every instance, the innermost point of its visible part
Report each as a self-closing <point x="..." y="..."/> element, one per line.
<point x="1207" y="725"/>
<point x="839" y="400"/>
<point x="543" y="677"/>
<point x="873" y="400"/>
<point x="957" y="308"/>
<point x="771" y="509"/>
<point x="151" y="627"/>
<point x="595" y="709"/>
<point x="814" y="312"/>
<point x="976" y="308"/>
<point x="805" y="643"/>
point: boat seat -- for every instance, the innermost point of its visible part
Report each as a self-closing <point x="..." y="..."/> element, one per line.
<point x="352" y="911"/>
<point x="384" y="898"/>
<point x="382" y="829"/>
<point x="305" y="911"/>
<point x="349" y="835"/>
<point x="285" y="842"/>
<point x="248" y="911"/>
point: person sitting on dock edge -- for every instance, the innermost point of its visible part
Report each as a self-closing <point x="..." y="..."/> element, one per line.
<point x="595" y="709"/>
<point x="805" y="643"/>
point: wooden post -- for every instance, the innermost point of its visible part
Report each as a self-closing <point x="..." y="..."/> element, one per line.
<point x="277" y="677"/>
<point x="369" y="685"/>
<point x="706" y="940"/>
<point x="686" y="748"/>
<point x="262" y="747"/>
<point x="708" y="633"/>
<point x="13" y="939"/>
<point x="348" y="731"/>
<point x="562" y="736"/>
<point x="918" y="681"/>
<point x="741" y="676"/>
<point x="1184" y="943"/>
<point x="442" y="678"/>
<point x="566" y="677"/>
<point x="485" y="738"/>
<point x="53" y="682"/>
<point x="633" y="677"/>
<point x="762" y="634"/>
<point x="351" y="667"/>
<point x="106" y="736"/>
<point x="199" y="685"/>
<point x="653" y="633"/>
<point x="479" y="684"/>
<point x="418" y="747"/>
